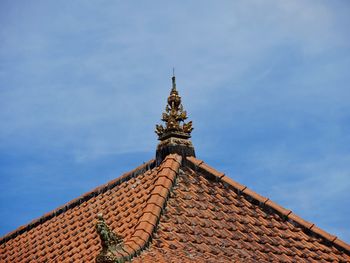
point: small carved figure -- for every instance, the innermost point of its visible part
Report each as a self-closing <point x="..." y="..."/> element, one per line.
<point x="159" y="129"/>
<point x="110" y="242"/>
<point x="183" y="115"/>
<point x="187" y="127"/>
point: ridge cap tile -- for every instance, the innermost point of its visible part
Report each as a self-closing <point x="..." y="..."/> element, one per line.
<point x="300" y="221"/>
<point x="278" y="208"/>
<point x="342" y="244"/>
<point x="194" y="160"/>
<point x="255" y="195"/>
<point x="148" y="221"/>
<point x="323" y="233"/>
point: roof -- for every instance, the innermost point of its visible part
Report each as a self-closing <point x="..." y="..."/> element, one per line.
<point x="180" y="211"/>
<point x="175" y="208"/>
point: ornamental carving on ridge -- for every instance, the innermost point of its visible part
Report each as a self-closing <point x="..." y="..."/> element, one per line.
<point x="110" y="242"/>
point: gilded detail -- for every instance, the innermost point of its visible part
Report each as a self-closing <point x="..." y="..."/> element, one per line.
<point x="174" y="118"/>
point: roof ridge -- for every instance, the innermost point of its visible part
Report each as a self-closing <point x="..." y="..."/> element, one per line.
<point x="77" y="201"/>
<point x="288" y="214"/>
<point x="166" y="176"/>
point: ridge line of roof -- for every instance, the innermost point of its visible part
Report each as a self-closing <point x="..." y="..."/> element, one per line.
<point x="77" y="201"/>
<point x="151" y="214"/>
<point x="288" y="214"/>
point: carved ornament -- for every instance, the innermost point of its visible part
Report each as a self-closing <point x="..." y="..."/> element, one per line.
<point x="174" y="118"/>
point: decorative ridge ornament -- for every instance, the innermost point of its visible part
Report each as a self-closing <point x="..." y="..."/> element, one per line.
<point x="174" y="135"/>
<point x="174" y="118"/>
<point x="110" y="242"/>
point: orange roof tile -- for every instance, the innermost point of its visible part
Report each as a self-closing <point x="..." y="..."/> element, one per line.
<point x="181" y="211"/>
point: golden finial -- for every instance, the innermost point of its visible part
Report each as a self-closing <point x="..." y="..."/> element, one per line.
<point x="174" y="135"/>
<point x="174" y="117"/>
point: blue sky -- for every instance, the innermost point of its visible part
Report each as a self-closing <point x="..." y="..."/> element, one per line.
<point x="266" y="83"/>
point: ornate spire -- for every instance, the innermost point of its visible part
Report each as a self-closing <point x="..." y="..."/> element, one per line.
<point x="175" y="133"/>
<point x="174" y="117"/>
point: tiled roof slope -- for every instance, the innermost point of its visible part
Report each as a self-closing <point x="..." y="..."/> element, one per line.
<point x="210" y="218"/>
<point x="68" y="233"/>
<point x="181" y="211"/>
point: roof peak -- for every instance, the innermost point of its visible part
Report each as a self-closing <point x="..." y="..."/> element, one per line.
<point x="175" y="133"/>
